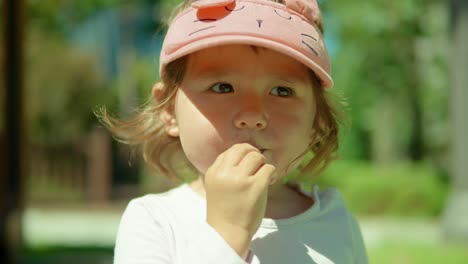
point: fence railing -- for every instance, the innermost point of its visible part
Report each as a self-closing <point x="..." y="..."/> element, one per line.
<point x="76" y="172"/>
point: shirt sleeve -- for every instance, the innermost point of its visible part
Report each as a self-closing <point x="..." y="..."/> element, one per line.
<point x="139" y="239"/>
<point x="144" y="239"/>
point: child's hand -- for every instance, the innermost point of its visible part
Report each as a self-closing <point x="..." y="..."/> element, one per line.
<point x="236" y="192"/>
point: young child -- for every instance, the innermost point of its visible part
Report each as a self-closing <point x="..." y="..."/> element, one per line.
<point x="243" y="98"/>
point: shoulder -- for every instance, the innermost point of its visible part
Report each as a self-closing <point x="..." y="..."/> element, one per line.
<point x="329" y="199"/>
<point x="172" y="197"/>
<point x="154" y="217"/>
<point x="333" y="204"/>
<point x="150" y="209"/>
<point x="177" y="202"/>
<point x="150" y="222"/>
<point x="332" y="208"/>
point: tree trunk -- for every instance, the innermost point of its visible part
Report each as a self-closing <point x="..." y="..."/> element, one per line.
<point x="11" y="202"/>
<point x="455" y="219"/>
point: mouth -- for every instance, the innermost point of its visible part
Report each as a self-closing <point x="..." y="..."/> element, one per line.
<point x="260" y="148"/>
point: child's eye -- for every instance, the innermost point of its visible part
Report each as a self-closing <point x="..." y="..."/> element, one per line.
<point x="222" y="88"/>
<point x="282" y="91"/>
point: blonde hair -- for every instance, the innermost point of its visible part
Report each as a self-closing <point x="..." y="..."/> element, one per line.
<point x="164" y="153"/>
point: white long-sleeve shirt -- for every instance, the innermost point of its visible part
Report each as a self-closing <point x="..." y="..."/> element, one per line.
<point x="171" y="228"/>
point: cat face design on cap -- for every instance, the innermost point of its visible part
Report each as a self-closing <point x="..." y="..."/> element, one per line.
<point x="211" y="11"/>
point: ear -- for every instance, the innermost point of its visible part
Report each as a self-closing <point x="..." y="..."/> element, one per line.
<point x="158" y="91"/>
<point x="167" y="113"/>
<point x="169" y="120"/>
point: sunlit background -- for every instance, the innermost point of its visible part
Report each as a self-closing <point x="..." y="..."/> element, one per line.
<point x="399" y="66"/>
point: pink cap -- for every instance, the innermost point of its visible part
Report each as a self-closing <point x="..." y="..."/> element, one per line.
<point x="289" y="29"/>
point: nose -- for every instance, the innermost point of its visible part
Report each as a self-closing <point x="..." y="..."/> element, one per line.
<point x="255" y="120"/>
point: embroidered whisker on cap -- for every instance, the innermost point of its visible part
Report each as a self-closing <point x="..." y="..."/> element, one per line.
<point x="290" y="29"/>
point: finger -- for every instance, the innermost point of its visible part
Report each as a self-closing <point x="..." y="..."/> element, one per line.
<point x="218" y="161"/>
<point x="265" y="175"/>
<point x="237" y="152"/>
<point x="252" y="162"/>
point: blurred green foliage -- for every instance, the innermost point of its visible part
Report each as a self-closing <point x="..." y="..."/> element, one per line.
<point x="62" y="87"/>
<point x="402" y="189"/>
<point x="398" y="253"/>
<point x="391" y="66"/>
<point x="50" y="15"/>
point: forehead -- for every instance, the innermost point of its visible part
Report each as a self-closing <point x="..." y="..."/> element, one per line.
<point x="245" y="58"/>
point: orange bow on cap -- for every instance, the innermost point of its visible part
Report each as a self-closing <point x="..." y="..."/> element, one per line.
<point x="307" y="8"/>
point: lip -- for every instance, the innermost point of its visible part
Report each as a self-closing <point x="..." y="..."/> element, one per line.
<point x="260" y="147"/>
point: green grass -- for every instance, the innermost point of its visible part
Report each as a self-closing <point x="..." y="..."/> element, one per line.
<point x="411" y="253"/>
<point x="387" y="253"/>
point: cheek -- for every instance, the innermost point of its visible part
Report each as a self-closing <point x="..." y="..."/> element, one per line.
<point x="201" y="154"/>
<point x="295" y="132"/>
<point x="296" y="137"/>
<point x="199" y="138"/>
<point x="296" y="123"/>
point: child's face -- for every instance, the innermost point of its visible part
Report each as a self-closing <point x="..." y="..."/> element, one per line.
<point x="233" y="94"/>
